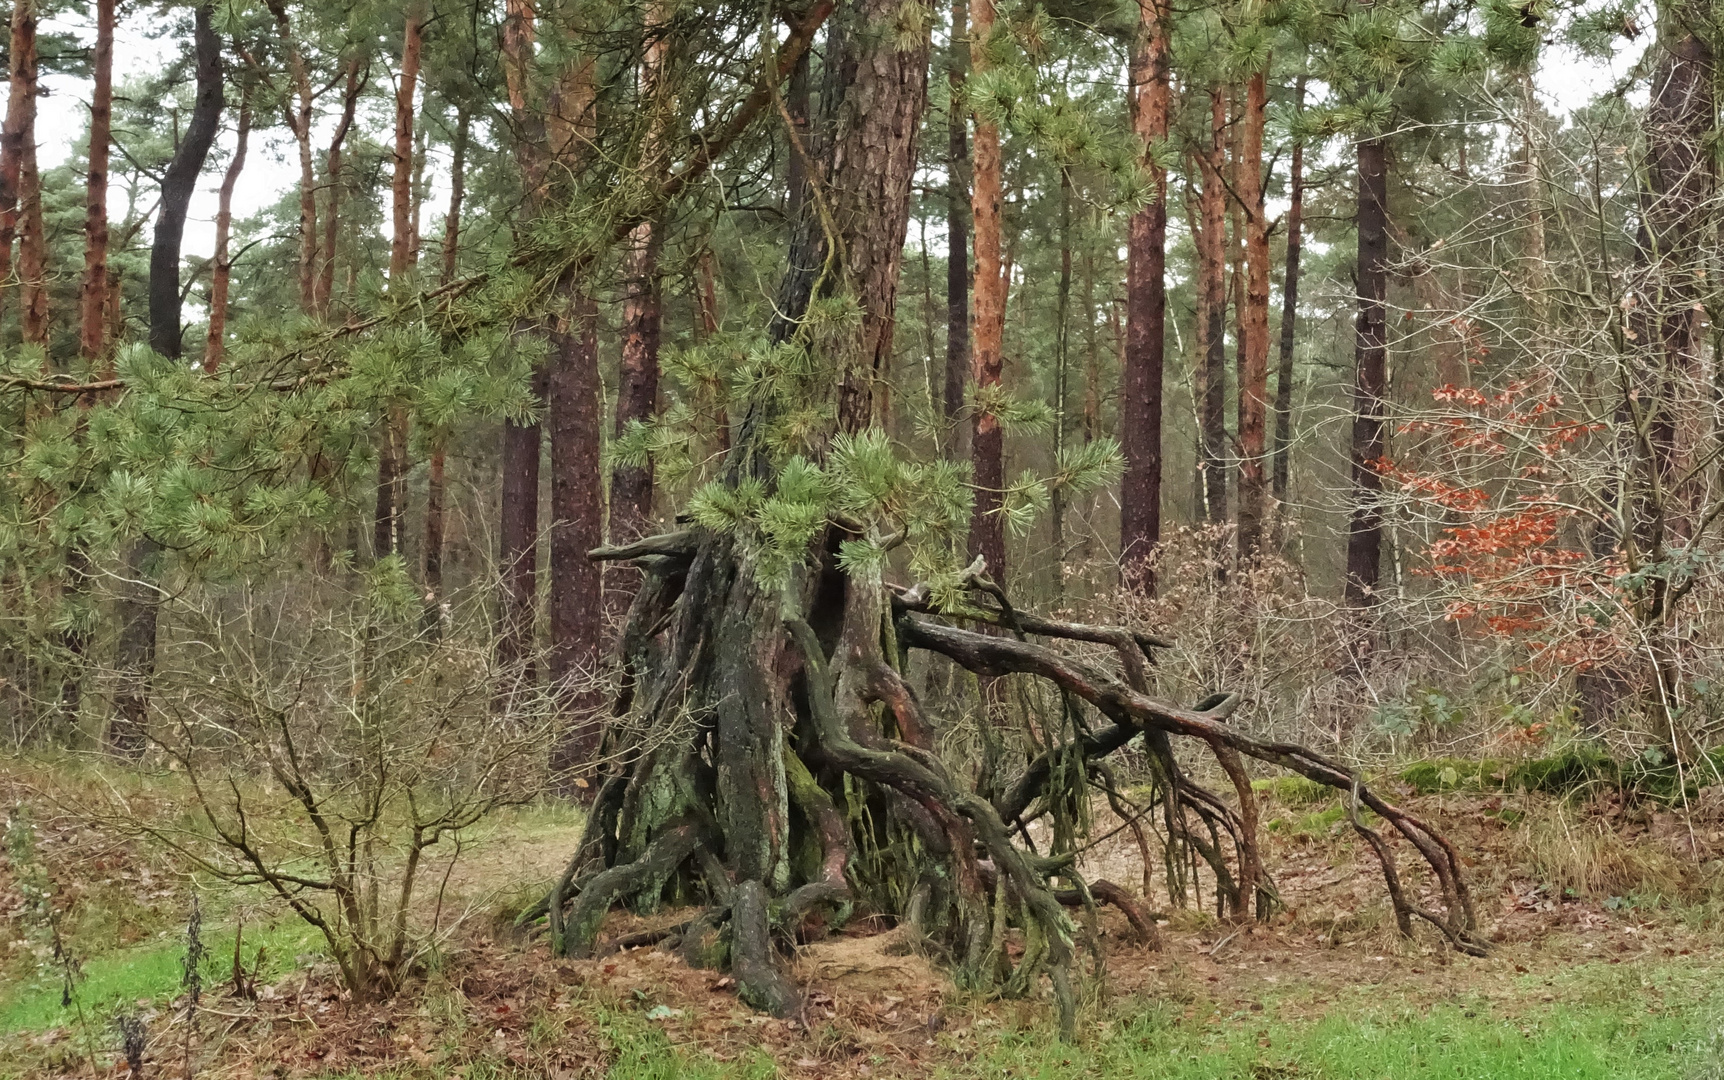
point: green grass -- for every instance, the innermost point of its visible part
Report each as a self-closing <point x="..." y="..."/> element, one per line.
<point x="151" y="972"/>
<point x="1608" y="1023"/>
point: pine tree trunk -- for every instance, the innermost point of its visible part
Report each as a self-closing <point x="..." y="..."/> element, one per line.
<point x="457" y="193"/>
<point x="215" y="345"/>
<point x="402" y="251"/>
<point x="93" y="292"/>
<point x="1370" y="380"/>
<point x="577" y="516"/>
<point x="1062" y="343"/>
<point x="957" y="217"/>
<point x="517" y="542"/>
<point x="20" y="107"/>
<point x="136" y="652"/>
<point x="325" y="286"/>
<point x="1254" y="322"/>
<point x="1146" y="309"/>
<point x="987" y="450"/>
<point x="1212" y="282"/>
<point x="435" y="489"/>
<point x="1289" y="316"/>
<point x="32" y="233"/>
<point x="298" y="120"/>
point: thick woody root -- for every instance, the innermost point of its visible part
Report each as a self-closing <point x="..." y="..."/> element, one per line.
<point x="1130" y="708"/>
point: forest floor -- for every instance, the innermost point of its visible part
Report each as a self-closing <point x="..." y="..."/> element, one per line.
<point x="1608" y="962"/>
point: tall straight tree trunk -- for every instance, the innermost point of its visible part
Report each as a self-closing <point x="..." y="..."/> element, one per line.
<point x="389" y="518"/>
<point x="577" y="511"/>
<point x="325" y="286"/>
<point x="957" y="217"/>
<point x="221" y="275"/>
<point x="518" y="534"/>
<point x="987" y="449"/>
<point x="1146" y="309"/>
<point x="1062" y="348"/>
<point x="457" y="194"/>
<point x="20" y="108"/>
<point x="1254" y="325"/>
<point x="1289" y="316"/>
<point x="1370" y="378"/>
<point x="136" y="651"/>
<point x="32" y="232"/>
<point x="297" y="113"/>
<point x="93" y="292"/>
<point x="1212" y="282"/>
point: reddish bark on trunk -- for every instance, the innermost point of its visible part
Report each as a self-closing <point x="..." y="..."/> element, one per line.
<point x="93" y="293"/>
<point x="402" y="251"/>
<point x="987" y="524"/>
<point x="215" y="346"/>
<point x="32" y="238"/>
<point x="1146" y="310"/>
<point x="1253" y="324"/>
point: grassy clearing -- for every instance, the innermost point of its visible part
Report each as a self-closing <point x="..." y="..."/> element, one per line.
<point x="149" y="973"/>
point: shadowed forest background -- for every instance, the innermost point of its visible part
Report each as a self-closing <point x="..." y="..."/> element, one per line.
<point x="715" y="482"/>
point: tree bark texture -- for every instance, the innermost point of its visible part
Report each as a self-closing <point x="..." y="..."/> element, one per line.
<point x="457" y="193"/>
<point x="987" y="441"/>
<point x="297" y="112"/>
<point x="1146" y="308"/>
<point x="32" y="233"/>
<point x="1254" y="322"/>
<point x="1370" y="378"/>
<point x="403" y="253"/>
<point x="221" y="275"/>
<point x="179" y="181"/>
<point x="20" y="124"/>
<point x="957" y="216"/>
<point x="93" y="291"/>
<point x="1282" y="471"/>
<point x="577" y="514"/>
<point x="335" y="183"/>
<point x="1212" y="283"/>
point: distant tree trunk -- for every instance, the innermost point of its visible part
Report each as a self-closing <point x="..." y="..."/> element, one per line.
<point x="522" y="444"/>
<point x="221" y="275"/>
<point x="457" y="193"/>
<point x="179" y="181"/>
<point x="1254" y="322"/>
<point x="325" y="287"/>
<point x="93" y="293"/>
<point x="402" y="252"/>
<point x="957" y="217"/>
<point x="20" y="111"/>
<point x="1370" y="379"/>
<point x="1212" y="279"/>
<point x="987" y="524"/>
<point x="389" y="528"/>
<point x="1289" y="315"/>
<point x="1146" y="309"/>
<point x="435" y="488"/>
<point x="298" y="121"/>
<point x="1062" y="344"/>
<point x="32" y="234"/>
<point x="136" y="651"/>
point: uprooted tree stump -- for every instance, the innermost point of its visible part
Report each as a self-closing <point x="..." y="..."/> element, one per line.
<point x="767" y="759"/>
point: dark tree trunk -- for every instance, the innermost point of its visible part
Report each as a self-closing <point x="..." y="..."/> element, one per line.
<point x="32" y="232"/>
<point x="333" y="180"/>
<point x="1062" y="347"/>
<point x="517" y="542"/>
<point x="1253" y="322"/>
<point x="1146" y="310"/>
<point x="577" y="514"/>
<point x="987" y="440"/>
<point x="637" y="387"/>
<point x="215" y="346"/>
<point x="1212" y="281"/>
<point x="1370" y="379"/>
<point x="457" y="193"/>
<point x="20" y="125"/>
<point x="1289" y="317"/>
<point x="957" y="217"/>
<point x="93" y="292"/>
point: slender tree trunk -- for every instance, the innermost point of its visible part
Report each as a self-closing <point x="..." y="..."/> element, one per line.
<point x="1146" y="308"/>
<point x="402" y="251"/>
<point x="1370" y="380"/>
<point x="1062" y="343"/>
<point x="457" y="193"/>
<point x="297" y="113"/>
<point x="987" y="524"/>
<point x="577" y="512"/>
<point x="1212" y="279"/>
<point x="93" y="293"/>
<point x="435" y="488"/>
<point x="1289" y="316"/>
<point x="957" y="217"/>
<point x="20" y="109"/>
<point x="325" y="287"/>
<point x="1254" y="324"/>
<point x="215" y="346"/>
<point x="136" y="651"/>
<point x="32" y="234"/>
